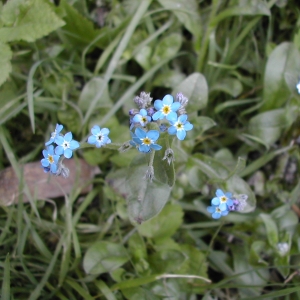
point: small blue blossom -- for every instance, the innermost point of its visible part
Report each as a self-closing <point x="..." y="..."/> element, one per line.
<point x="216" y="212"/>
<point x="223" y="200"/>
<point x="99" y="136"/>
<point x="50" y="160"/>
<point x="132" y="142"/>
<point x="298" y="87"/>
<point x="142" y="117"/>
<point x="66" y="145"/>
<point x="55" y="134"/>
<point x="146" y="140"/>
<point x="180" y="126"/>
<point x="166" y="108"/>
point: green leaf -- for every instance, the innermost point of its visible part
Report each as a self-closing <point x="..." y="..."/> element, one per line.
<point x="5" y="291"/>
<point x="167" y="47"/>
<point x="268" y="126"/>
<point x="139" y="293"/>
<point x="104" y="257"/>
<point x="28" y="20"/>
<point x="145" y="198"/>
<point x="256" y="249"/>
<point x="195" y="88"/>
<point x="90" y="90"/>
<point x="187" y="13"/>
<point x="169" y="79"/>
<point x="230" y="86"/>
<point x="163" y="225"/>
<point x="271" y="229"/>
<point x="281" y="75"/>
<point x="5" y="57"/>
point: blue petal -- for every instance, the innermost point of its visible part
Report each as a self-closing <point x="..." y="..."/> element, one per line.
<point x="58" y="128"/>
<point x="153" y="134"/>
<point x="99" y="144"/>
<point x="56" y="158"/>
<point x="215" y="201"/>
<point x="140" y="133"/>
<point x="49" y="142"/>
<point x="50" y="150"/>
<point x="144" y="148"/>
<point x="224" y="212"/>
<point x="168" y="99"/>
<point x="59" y="150"/>
<point x="211" y="209"/>
<point x="181" y="134"/>
<point x="137" y="140"/>
<point x="223" y="206"/>
<point x="155" y="146"/>
<point x="188" y="126"/>
<point x="45" y="162"/>
<point x="158" y="104"/>
<point x="172" y="116"/>
<point x="53" y="168"/>
<point x="143" y="112"/>
<point x="59" y="140"/>
<point x="182" y="118"/>
<point x="219" y="193"/>
<point x="172" y="130"/>
<point x="68" y="153"/>
<point x="175" y="106"/>
<point x="92" y="139"/>
<point x="105" y="131"/>
<point x="137" y="118"/>
<point x="45" y="153"/>
<point x="158" y="115"/>
<point x="229" y="202"/>
<point x="74" y="145"/>
<point x="95" y="130"/>
<point x="228" y="195"/>
<point x="216" y="215"/>
<point x="68" y="137"/>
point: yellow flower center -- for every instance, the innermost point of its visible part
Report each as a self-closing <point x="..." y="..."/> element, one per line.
<point x="179" y="126"/>
<point x="223" y="199"/>
<point x="166" y="109"/>
<point x="50" y="159"/>
<point x="144" y="119"/>
<point x="146" y="141"/>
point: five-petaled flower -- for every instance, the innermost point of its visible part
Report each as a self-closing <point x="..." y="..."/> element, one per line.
<point x="50" y="160"/>
<point x="216" y="211"/>
<point x="99" y="136"/>
<point x="146" y="140"/>
<point x="223" y="200"/>
<point x="142" y="117"/>
<point x="166" y="108"/>
<point x="55" y="134"/>
<point x="180" y="126"/>
<point x="66" y="145"/>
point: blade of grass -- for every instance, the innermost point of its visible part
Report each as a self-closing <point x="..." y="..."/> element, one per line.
<point x="80" y="290"/>
<point x="115" y="59"/>
<point x="105" y="290"/>
<point x="5" y="291"/>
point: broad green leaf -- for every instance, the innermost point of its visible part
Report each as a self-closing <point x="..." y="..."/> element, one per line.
<point x="237" y="186"/>
<point x="104" y="257"/>
<point x="268" y="126"/>
<point x="256" y="250"/>
<point x="167" y="47"/>
<point x="143" y="57"/>
<point x="166" y="261"/>
<point x="195" y="88"/>
<point x="281" y="75"/>
<point x="169" y="79"/>
<point x="139" y="293"/>
<point x="187" y="13"/>
<point x="228" y="85"/>
<point x="271" y="229"/>
<point x="28" y="20"/>
<point x="5" y="57"/>
<point x="163" y="225"/>
<point x="239" y="167"/>
<point x="201" y="124"/>
<point x="145" y="198"/>
<point x="90" y="90"/>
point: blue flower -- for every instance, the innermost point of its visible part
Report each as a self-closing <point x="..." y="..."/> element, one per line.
<point x="146" y="140"/>
<point x="142" y="117"/>
<point x="223" y="200"/>
<point x="50" y="160"/>
<point x="55" y="134"/>
<point x="66" y="145"/>
<point x="180" y="126"/>
<point x="99" y="137"/>
<point x="298" y="87"/>
<point x="166" y="108"/>
<point x="216" y="211"/>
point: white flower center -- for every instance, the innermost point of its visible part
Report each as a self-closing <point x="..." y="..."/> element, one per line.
<point x="166" y="109"/>
<point x="146" y="141"/>
<point x="179" y="125"/>
<point x="66" y="145"/>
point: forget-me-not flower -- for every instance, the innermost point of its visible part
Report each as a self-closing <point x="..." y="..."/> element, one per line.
<point x="223" y="200"/>
<point x="146" y="140"/>
<point x="99" y="136"/>
<point x="142" y="117"/>
<point x="298" y="87"/>
<point x="166" y="108"/>
<point x="180" y="126"/>
<point x="216" y="212"/>
<point x="66" y="145"/>
<point x="50" y="160"/>
<point x="55" y="134"/>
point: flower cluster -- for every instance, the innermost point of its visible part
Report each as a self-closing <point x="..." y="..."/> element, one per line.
<point x="52" y="161"/>
<point x="223" y="203"/>
<point x="170" y="116"/>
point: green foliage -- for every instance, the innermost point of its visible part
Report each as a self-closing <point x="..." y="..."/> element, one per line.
<point x="80" y="63"/>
